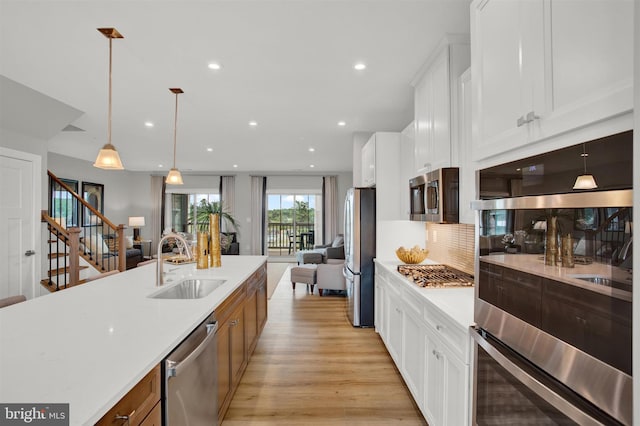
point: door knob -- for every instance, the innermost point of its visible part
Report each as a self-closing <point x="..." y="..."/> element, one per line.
<point x="29" y="252"/>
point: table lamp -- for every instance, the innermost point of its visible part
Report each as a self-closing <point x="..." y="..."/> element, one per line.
<point x="136" y="222"/>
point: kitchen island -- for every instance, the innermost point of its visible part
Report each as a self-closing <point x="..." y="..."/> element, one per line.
<point x="90" y="345"/>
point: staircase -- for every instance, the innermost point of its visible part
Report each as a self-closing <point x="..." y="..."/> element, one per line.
<point x="75" y="241"/>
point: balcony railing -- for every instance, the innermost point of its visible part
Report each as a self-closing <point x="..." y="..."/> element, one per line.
<point x="291" y="237"/>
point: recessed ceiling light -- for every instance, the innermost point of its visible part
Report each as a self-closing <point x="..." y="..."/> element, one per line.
<point x="359" y="66"/>
<point x="253" y="123"/>
<point x="311" y="165"/>
<point x="235" y="166"/>
<point x="160" y="165"/>
<point x="148" y="124"/>
<point x="342" y="123"/>
<point x="210" y="149"/>
<point x="215" y="66"/>
<point x="312" y="149"/>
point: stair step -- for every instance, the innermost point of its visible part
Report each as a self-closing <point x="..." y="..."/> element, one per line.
<point x="56" y="255"/>
<point x="60" y="271"/>
<point x="51" y="287"/>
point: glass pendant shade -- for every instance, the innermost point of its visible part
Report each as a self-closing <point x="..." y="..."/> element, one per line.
<point x="174" y="177"/>
<point x="585" y="182"/>
<point x="108" y="159"/>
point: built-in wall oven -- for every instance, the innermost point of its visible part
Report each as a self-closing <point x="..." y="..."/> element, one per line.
<point x="553" y="294"/>
<point x="556" y="328"/>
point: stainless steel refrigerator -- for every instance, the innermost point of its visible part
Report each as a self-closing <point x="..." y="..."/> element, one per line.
<point x="359" y="250"/>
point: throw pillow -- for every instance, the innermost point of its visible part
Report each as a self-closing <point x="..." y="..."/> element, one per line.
<point x="129" y="243"/>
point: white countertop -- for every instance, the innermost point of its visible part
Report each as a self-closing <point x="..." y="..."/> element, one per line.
<point x="89" y="345"/>
<point x="534" y="264"/>
<point x="455" y="302"/>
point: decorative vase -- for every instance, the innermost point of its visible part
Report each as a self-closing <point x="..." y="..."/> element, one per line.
<point x="202" y="251"/>
<point x="215" y="255"/>
<point x="551" y="248"/>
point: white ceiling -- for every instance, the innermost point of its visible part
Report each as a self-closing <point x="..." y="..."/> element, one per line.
<point x="286" y="64"/>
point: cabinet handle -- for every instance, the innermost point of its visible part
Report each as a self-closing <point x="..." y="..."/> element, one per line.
<point x="235" y="322"/>
<point x="531" y="116"/>
<point x="436" y="354"/>
<point x="127" y="418"/>
<point x="398" y="311"/>
<point x="521" y="121"/>
<point x="439" y="327"/>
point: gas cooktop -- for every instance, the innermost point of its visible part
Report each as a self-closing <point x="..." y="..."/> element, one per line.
<point x="436" y="276"/>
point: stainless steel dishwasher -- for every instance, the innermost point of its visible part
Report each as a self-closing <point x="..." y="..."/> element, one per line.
<point x="190" y="379"/>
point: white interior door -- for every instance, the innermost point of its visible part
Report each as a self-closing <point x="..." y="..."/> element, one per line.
<point x="19" y="195"/>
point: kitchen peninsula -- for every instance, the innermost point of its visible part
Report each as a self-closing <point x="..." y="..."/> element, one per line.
<point x="90" y="345"/>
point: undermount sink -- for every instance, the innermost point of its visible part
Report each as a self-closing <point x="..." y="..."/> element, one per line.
<point x="189" y="289"/>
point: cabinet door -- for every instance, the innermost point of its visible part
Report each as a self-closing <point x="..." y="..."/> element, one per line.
<point x="412" y="355"/>
<point x="395" y="327"/>
<point x="592" y="61"/>
<point x="380" y="308"/>
<point x="440" y="143"/>
<point x="369" y="162"/>
<point x="262" y="304"/>
<point x="464" y="161"/>
<point x="423" y="124"/>
<point x="237" y="344"/>
<point x="224" y="364"/>
<point x="455" y="390"/>
<point x="434" y="380"/>
<point x="251" y="318"/>
<point x="509" y="72"/>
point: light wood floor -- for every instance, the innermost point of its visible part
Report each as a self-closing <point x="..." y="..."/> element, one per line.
<point x="311" y="367"/>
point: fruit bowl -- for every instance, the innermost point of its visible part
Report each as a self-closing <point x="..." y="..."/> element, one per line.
<point x="413" y="255"/>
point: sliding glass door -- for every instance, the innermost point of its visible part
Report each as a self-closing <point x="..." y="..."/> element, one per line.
<point x="293" y="221"/>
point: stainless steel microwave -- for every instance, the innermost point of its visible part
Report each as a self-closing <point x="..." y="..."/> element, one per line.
<point x="434" y="197"/>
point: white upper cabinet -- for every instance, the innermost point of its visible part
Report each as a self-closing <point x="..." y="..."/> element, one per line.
<point x="381" y="168"/>
<point x="544" y="67"/>
<point x="461" y="152"/>
<point x="369" y="163"/>
<point x="433" y="108"/>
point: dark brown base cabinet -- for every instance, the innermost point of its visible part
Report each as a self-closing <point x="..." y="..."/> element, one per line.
<point x="241" y="318"/>
<point x="595" y="323"/>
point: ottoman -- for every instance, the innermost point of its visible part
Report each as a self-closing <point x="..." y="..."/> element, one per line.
<point x="304" y="274"/>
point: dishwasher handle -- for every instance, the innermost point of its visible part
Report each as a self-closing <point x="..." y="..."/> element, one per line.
<point x="174" y="368"/>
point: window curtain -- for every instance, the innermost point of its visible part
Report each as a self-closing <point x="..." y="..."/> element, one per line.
<point x="158" y="187"/>
<point x="258" y="214"/>
<point x="228" y="199"/>
<point x="329" y="207"/>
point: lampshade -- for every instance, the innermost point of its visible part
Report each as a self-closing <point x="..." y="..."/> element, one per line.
<point x="108" y="157"/>
<point x="136" y="221"/>
<point x="585" y="182"/>
<point x="174" y="177"/>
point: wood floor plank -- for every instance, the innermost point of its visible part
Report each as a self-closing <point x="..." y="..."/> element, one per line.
<point x="311" y="367"/>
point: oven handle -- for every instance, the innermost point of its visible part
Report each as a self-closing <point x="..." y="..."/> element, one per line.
<point x="570" y="410"/>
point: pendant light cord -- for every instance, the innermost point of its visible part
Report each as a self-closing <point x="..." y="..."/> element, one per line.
<point x="109" y="121"/>
<point x="175" y="132"/>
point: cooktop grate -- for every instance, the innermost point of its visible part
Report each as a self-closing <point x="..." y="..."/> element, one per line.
<point x="436" y="276"/>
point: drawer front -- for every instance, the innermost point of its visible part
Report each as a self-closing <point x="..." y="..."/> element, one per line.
<point x="137" y="403"/>
<point x="454" y="337"/>
<point x="154" y="418"/>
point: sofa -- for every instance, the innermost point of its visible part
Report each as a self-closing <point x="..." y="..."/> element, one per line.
<point x="133" y="253"/>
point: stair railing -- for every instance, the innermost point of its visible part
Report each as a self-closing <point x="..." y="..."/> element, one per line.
<point x="99" y="240"/>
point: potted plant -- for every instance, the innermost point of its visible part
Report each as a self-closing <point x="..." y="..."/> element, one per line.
<point x="204" y="209"/>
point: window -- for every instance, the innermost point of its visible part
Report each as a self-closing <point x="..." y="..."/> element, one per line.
<point x="190" y="212"/>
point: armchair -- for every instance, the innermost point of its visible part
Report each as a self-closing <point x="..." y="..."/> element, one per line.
<point x="333" y="250"/>
<point x="329" y="276"/>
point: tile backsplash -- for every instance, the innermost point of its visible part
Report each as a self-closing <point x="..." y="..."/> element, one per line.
<point x="452" y="244"/>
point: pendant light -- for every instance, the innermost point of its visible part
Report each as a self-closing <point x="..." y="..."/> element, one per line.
<point x="585" y="181"/>
<point x="174" y="177"/>
<point x="108" y="157"/>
